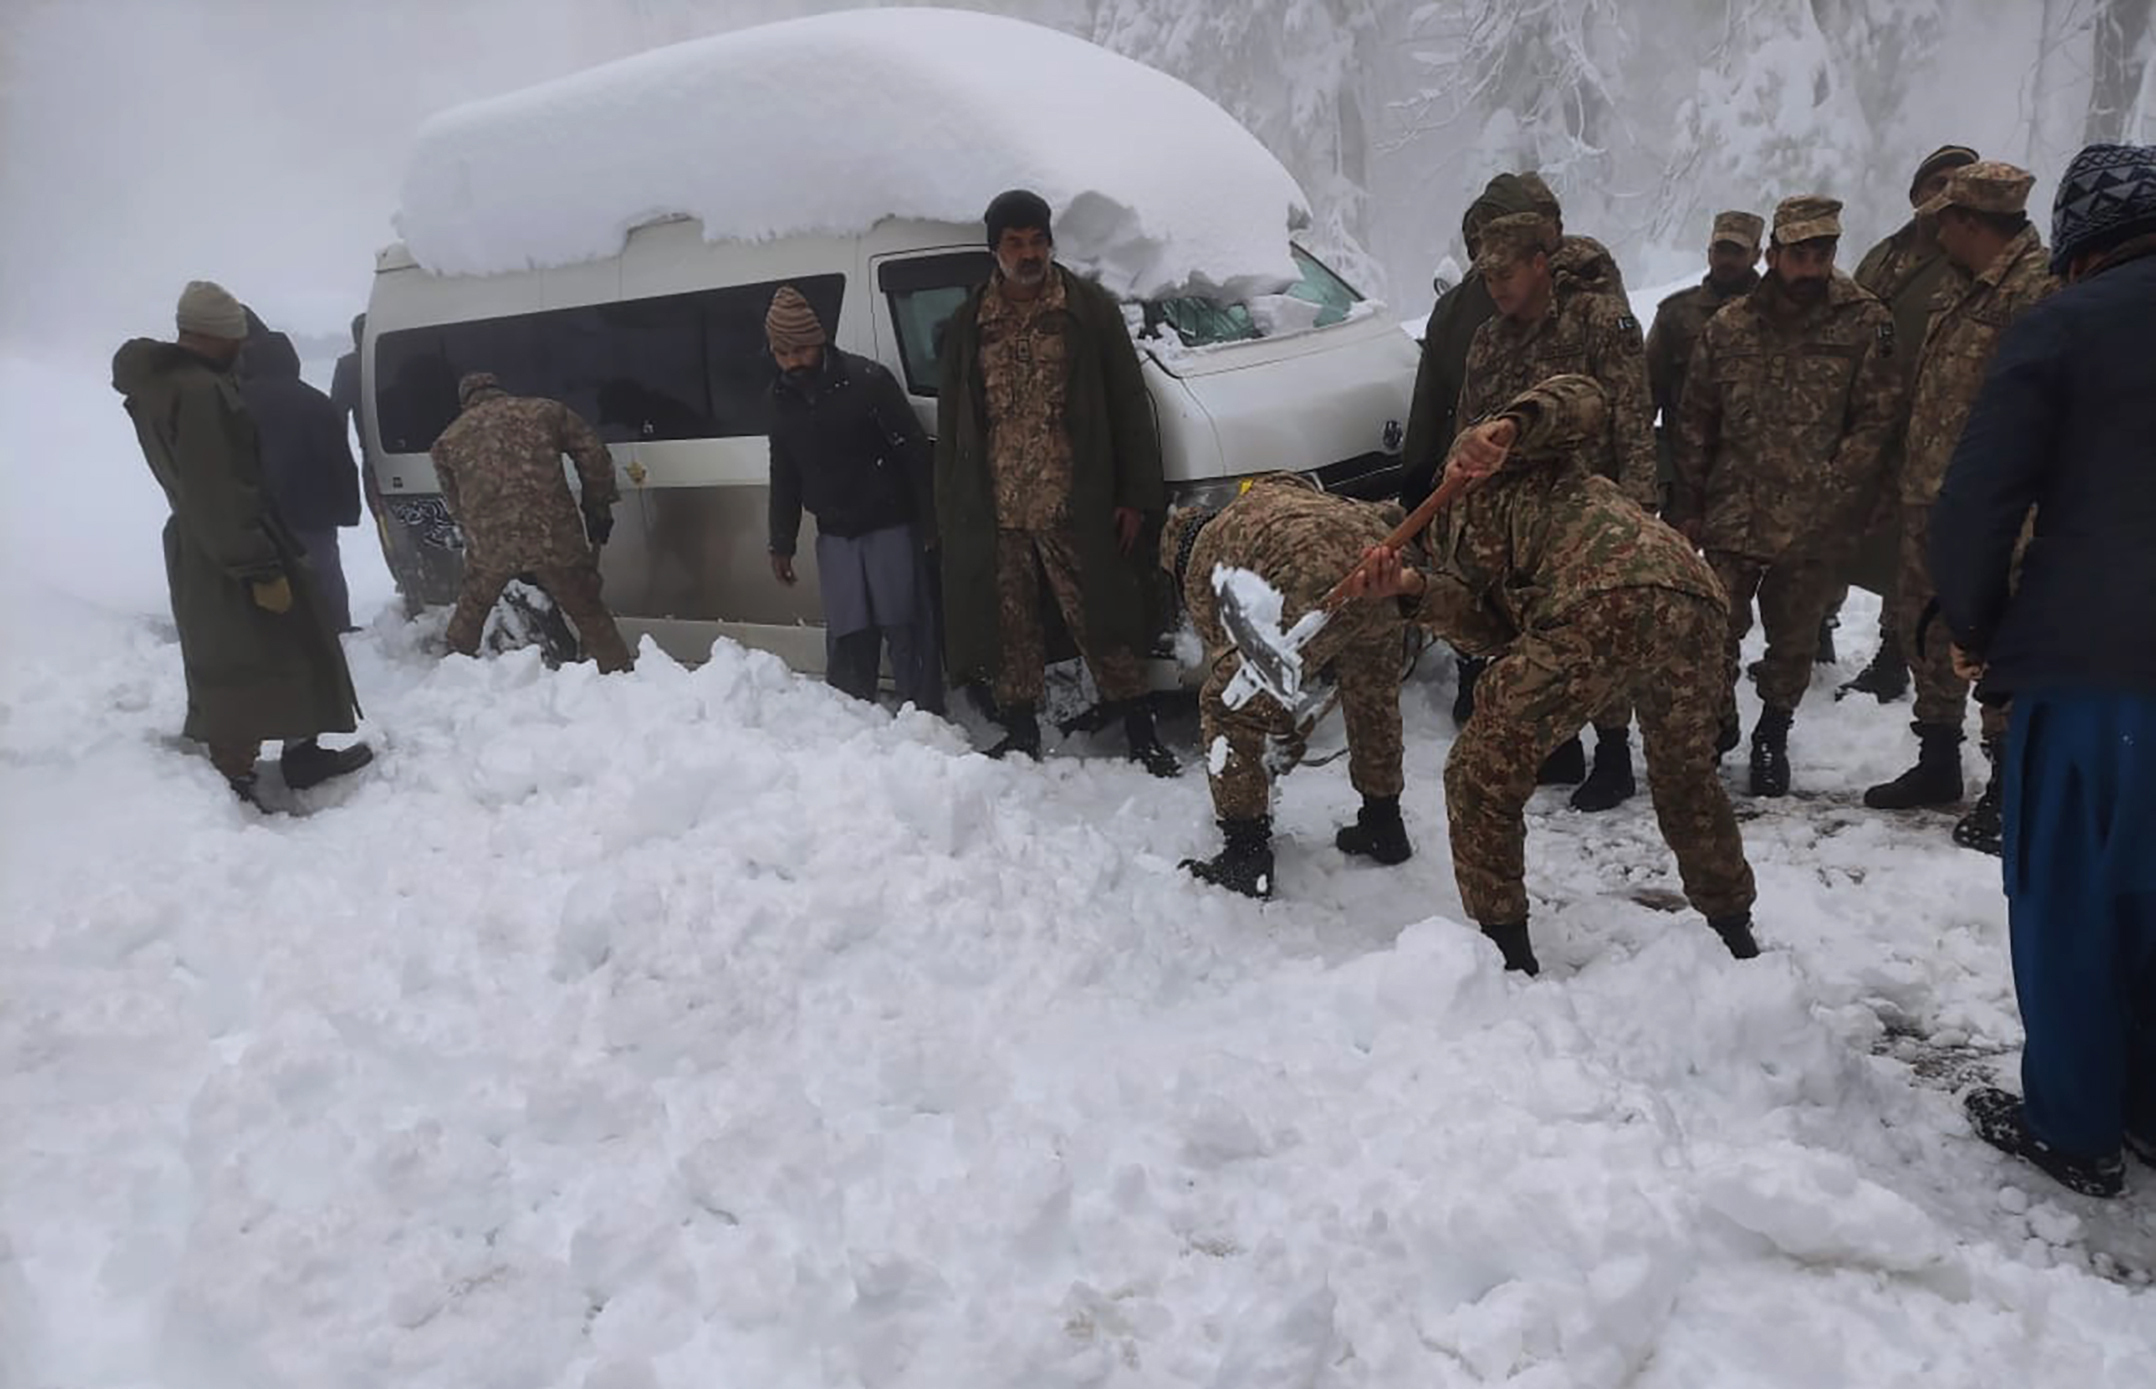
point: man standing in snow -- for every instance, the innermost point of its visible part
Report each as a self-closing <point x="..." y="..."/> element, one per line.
<point x="2066" y="423"/>
<point x="1549" y="322"/>
<point x="845" y="445"/>
<point x="1984" y="228"/>
<point x="1907" y="271"/>
<point x="499" y="463"/>
<point x="1586" y="602"/>
<point x="1047" y="467"/>
<point x="306" y="462"/>
<point x="1286" y="530"/>
<point x="1788" y="402"/>
<point x="1732" y="254"/>
<point x="260" y="656"/>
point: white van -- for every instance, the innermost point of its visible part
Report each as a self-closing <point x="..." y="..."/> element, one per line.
<point x="660" y="346"/>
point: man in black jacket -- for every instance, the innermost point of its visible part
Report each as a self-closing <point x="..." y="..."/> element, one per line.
<point x="306" y="462"/>
<point x="846" y="446"/>
<point x="2066" y="423"/>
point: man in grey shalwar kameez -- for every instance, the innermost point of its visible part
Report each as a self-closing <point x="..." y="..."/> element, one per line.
<point x="846" y="447"/>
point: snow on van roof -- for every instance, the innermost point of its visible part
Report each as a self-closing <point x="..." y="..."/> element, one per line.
<point x="831" y="124"/>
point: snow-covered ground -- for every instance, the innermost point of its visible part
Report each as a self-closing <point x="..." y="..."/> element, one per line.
<point x="702" y="1027"/>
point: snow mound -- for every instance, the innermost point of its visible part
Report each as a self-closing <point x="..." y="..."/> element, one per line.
<point x="831" y="124"/>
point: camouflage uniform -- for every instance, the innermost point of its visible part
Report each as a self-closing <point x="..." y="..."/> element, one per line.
<point x="1965" y="329"/>
<point x="1587" y="601"/>
<point x="1298" y="539"/>
<point x="1780" y="439"/>
<point x="1678" y="320"/>
<point x="1025" y="373"/>
<point x="499" y="463"/>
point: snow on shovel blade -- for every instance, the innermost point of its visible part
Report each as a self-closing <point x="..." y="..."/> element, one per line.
<point x="1250" y="611"/>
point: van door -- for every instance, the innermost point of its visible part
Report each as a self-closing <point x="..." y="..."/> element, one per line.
<point x="916" y="292"/>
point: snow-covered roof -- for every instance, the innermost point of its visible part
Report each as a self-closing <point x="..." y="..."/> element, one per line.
<point x="831" y="124"/>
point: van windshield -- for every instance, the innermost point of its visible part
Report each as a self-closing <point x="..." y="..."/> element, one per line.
<point x="1202" y="322"/>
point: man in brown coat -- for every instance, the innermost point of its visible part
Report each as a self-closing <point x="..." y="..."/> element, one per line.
<point x="1788" y="402"/>
<point x="499" y="463"/>
<point x="1732" y="252"/>
<point x="1983" y="226"/>
<point x="261" y="658"/>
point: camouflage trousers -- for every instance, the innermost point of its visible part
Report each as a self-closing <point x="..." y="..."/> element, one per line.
<point x="1360" y="650"/>
<point x="1942" y="697"/>
<point x="1655" y="645"/>
<point x="1023" y="559"/>
<point x="1793" y="594"/>
<point x="574" y="589"/>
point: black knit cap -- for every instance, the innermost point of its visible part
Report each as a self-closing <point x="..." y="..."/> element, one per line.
<point x="1020" y="209"/>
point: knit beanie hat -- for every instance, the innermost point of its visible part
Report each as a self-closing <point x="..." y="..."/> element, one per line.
<point x="2107" y="195"/>
<point x="208" y="308"/>
<point x="1944" y="157"/>
<point x="1018" y="210"/>
<point x="791" y="324"/>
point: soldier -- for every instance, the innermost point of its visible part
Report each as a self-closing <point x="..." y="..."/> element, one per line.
<point x="1732" y="254"/>
<point x="500" y="467"/>
<point x="1550" y="323"/>
<point x="1047" y="466"/>
<point x="1983" y="227"/>
<point x="1289" y="532"/>
<point x="257" y="648"/>
<point x="1582" y="258"/>
<point x="1587" y="602"/>
<point x="1907" y="272"/>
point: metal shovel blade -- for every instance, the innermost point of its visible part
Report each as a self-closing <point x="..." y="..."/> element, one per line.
<point x="1249" y="612"/>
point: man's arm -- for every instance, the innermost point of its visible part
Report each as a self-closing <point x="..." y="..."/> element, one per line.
<point x="1560" y="415"/>
<point x="1697" y="437"/>
<point x="1662" y="364"/>
<point x="1138" y="482"/>
<point x="1874" y="408"/>
<point x="894" y="419"/>
<point x="1621" y="365"/>
<point x="785" y="499"/>
<point x="594" y="465"/>
<point x="220" y="509"/>
<point x="1993" y="479"/>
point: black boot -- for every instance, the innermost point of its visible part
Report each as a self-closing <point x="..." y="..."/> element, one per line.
<point x="1567" y="766"/>
<point x="1610" y="784"/>
<point x="1770" y="753"/>
<point x="1981" y="829"/>
<point x="244" y="788"/>
<point x="1021" y="734"/>
<point x="1736" y="933"/>
<point x="308" y="763"/>
<point x="2002" y="1120"/>
<point x="1511" y="942"/>
<point x="1934" y="780"/>
<point x="1885" y="679"/>
<point x="1377" y="833"/>
<point x="1824" y="656"/>
<point x="1463" y="697"/>
<point x="1244" y="863"/>
<point x="1145" y="745"/>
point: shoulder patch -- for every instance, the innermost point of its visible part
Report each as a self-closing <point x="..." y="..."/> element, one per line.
<point x="1628" y="322"/>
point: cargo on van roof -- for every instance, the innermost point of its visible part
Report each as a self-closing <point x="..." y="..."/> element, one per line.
<point x="831" y="124"/>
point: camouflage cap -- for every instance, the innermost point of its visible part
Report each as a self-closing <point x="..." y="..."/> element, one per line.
<point x="1512" y="238"/>
<point x="1738" y="229"/>
<point x="1988" y="185"/>
<point x="1806" y="217"/>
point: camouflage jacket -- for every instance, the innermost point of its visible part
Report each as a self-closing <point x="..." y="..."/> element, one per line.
<point x="1965" y="328"/>
<point x="1589" y="264"/>
<point x="1296" y="537"/>
<point x="1787" y="410"/>
<point x="1677" y="324"/>
<point x="1546" y="533"/>
<point x="1025" y="372"/>
<point x="500" y="468"/>
<point x="1584" y="332"/>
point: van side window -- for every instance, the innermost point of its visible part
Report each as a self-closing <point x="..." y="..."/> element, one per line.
<point x="667" y="367"/>
<point x="924" y="291"/>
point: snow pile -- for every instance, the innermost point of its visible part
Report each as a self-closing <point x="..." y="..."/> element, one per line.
<point x="831" y="124"/>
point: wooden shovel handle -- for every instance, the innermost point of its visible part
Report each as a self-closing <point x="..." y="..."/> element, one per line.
<point x="1453" y="485"/>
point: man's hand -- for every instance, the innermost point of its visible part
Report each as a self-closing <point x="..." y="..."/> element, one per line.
<point x="1481" y="451"/>
<point x="1966" y="666"/>
<point x="598" y="525"/>
<point x="1693" y="529"/>
<point x="1382" y="575"/>
<point x="271" y="595"/>
<point x="1127" y="521"/>
<point x="782" y="569"/>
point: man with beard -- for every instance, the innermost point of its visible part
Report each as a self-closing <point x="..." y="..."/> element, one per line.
<point x="1732" y="254"/>
<point x="1788" y="402"/>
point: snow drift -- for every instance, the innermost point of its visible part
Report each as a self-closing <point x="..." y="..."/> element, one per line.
<point x="831" y="124"/>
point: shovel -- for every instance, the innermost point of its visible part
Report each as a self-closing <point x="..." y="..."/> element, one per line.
<point x="1250" y="610"/>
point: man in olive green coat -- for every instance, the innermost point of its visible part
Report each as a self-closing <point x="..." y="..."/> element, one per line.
<point x="1047" y="467"/>
<point x="261" y="658"/>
